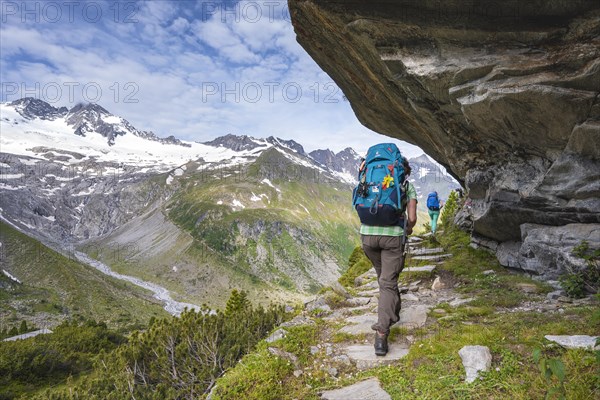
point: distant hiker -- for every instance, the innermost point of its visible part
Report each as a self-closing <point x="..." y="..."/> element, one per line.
<point x="381" y="198"/>
<point x="433" y="208"/>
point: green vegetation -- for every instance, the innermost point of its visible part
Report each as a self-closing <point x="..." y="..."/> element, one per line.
<point x="449" y="210"/>
<point x="358" y="264"/>
<point x="55" y="287"/>
<point x="23" y="328"/>
<point x="549" y="368"/>
<point x="576" y="284"/>
<point x="433" y="368"/>
<point x="28" y="365"/>
<point x="174" y="358"/>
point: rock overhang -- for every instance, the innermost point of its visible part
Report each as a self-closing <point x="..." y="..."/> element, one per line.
<point x="504" y="95"/>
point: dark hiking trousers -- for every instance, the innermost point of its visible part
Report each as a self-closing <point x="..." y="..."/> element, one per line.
<point x="385" y="252"/>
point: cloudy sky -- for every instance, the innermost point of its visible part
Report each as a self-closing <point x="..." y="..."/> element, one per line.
<point x="193" y="69"/>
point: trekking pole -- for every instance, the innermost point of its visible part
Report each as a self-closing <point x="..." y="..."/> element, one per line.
<point x="404" y="244"/>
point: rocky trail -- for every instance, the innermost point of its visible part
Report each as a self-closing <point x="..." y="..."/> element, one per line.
<point x="429" y="296"/>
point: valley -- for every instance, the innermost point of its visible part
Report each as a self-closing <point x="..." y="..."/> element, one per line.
<point x="189" y="221"/>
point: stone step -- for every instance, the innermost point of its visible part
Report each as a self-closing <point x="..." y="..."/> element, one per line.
<point x="358" y="301"/>
<point x="425" y="251"/>
<point x="367" y="286"/>
<point x="368" y="293"/>
<point x="364" y="356"/>
<point x="424" y="268"/>
<point x="359" y="324"/>
<point x="365" y="390"/>
<point x="412" y="317"/>
<point x="409" y="297"/>
<point x="438" y="257"/>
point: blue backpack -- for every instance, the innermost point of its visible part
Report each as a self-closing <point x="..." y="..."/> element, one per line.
<point x="380" y="196"/>
<point x="433" y="203"/>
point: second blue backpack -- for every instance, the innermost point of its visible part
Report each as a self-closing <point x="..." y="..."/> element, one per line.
<point x="433" y="202"/>
<point x="380" y="196"/>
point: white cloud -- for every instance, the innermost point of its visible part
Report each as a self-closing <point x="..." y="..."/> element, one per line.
<point x="170" y="56"/>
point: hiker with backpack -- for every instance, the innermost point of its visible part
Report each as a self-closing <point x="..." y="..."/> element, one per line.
<point x="387" y="207"/>
<point x="433" y="208"/>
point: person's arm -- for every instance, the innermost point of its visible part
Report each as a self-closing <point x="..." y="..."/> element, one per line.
<point x="411" y="210"/>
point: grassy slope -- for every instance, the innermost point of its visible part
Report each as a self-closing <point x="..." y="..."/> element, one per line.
<point x="56" y="287"/>
<point x="211" y="254"/>
<point x="433" y="368"/>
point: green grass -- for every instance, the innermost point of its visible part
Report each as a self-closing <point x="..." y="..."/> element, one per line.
<point x="467" y="264"/>
<point x="433" y="368"/>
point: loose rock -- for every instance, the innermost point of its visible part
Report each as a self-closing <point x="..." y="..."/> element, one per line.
<point x="574" y="341"/>
<point x="475" y="359"/>
<point x="424" y="268"/>
<point x="555" y="295"/>
<point x="437" y="284"/>
<point x="278" y="334"/>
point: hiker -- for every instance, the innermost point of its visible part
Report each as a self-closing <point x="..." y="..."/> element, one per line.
<point x="433" y="208"/>
<point x="384" y="228"/>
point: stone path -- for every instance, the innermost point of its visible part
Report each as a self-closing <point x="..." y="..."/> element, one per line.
<point x="349" y="345"/>
<point x="365" y="390"/>
<point x="417" y="301"/>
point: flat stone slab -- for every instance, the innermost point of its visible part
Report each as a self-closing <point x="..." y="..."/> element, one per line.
<point x="364" y="356"/>
<point x="409" y="297"/>
<point x="365" y="293"/>
<point x="364" y="390"/>
<point x="358" y="301"/>
<point x="413" y="316"/>
<point x="359" y="324"/>
<point x="430" y="258"/>
<point x="574" y="341"/>
<point x="414" y="239"/>
<point x="357" y="329"/>
<point x="425" y="251"/>
<point x="368" y="286"/>
<point x="424" y="268"/>
<point x="457" y="302"/>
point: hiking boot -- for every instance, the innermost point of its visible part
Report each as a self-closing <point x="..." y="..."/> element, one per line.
<point x="381" y="344"/>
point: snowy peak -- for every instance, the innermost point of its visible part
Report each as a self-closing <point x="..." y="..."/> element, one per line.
<point x="87" y="118"/>
<point x="236" y="143"/>
<point x="84" y="119"/>
<point x="344" y="162"/>
<point x="31" y="108"/>
<point x="244" y="142"/>
<point x="290" y="144"/>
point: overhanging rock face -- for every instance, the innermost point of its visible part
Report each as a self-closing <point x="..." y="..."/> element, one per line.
<point x="504" y="94"/>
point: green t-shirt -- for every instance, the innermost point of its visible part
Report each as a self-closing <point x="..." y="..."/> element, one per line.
<point x="411" y="193"/>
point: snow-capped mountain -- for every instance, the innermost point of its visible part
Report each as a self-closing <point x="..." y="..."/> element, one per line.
<point x="428" y="176"/>
<point x="55" y="161"/>
<point x="345" y="162"/>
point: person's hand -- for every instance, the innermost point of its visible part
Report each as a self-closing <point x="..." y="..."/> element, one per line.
<point x="409" y="231"/>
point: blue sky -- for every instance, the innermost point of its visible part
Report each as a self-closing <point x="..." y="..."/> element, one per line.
<point x="193" y="69"/>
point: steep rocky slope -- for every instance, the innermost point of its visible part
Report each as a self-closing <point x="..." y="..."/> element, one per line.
<point x="504" y="95"/>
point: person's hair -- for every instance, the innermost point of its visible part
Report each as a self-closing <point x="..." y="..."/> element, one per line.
<point x="406" y="166"/>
